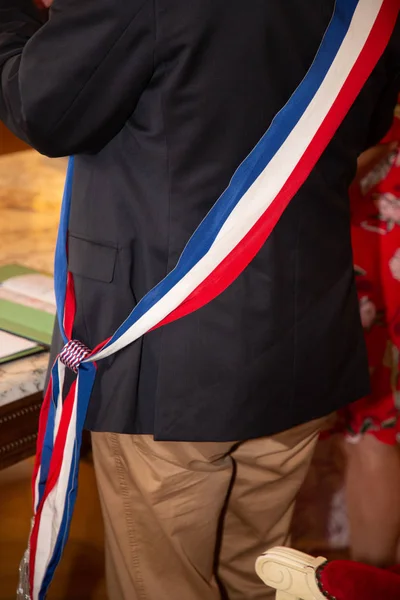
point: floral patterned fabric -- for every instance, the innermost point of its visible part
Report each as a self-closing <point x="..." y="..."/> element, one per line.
<point x="320" y="523"/>
<point x="376" y="249"/>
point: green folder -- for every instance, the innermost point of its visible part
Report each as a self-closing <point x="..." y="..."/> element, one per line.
<point x="27" y="322"/>
<point x="8" y="271"/>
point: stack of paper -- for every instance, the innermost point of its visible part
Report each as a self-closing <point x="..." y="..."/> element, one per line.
<point x="13" y="347"/>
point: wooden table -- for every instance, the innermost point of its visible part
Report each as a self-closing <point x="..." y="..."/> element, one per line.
<point x="30" y="196"/>
<point x="21" y="387"/>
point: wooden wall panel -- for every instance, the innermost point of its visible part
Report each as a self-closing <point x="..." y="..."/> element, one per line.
<point x="8" y="142"/>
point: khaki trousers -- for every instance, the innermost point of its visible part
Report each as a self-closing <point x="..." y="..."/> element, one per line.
<point x="186" y="521"/>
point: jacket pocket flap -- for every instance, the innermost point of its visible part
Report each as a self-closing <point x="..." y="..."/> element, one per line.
<point x="91" y="260"/>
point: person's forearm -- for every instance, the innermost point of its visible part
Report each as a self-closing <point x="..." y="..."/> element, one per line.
<point x="56" y="73"/>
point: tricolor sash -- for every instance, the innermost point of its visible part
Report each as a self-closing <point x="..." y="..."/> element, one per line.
<point x="221" y="247"/>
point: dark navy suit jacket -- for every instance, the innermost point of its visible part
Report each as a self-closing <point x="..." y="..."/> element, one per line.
<point x="160" y="101"/>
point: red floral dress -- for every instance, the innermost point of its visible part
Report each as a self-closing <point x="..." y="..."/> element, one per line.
<point x="376" y="250"/>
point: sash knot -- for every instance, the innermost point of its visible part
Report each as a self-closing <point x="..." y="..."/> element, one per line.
<point x="73" y="354"/>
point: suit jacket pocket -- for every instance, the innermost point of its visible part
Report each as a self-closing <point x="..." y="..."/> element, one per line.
<point x="103" y="293"/>
<point x="91" y="260"/>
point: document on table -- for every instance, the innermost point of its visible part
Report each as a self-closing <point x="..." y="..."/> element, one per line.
<point x="34" y="286"/>
<point x="13" y="347"/>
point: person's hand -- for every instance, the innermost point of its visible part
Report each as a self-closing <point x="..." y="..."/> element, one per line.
<point x="367" y="312"/>
<point x="394" y="265"/>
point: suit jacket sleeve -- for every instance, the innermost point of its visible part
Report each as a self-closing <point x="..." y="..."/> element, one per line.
<point x="70" y="82"/>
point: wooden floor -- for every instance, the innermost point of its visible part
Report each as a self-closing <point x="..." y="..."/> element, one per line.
<point x="8" y="142"/>
<point x="81" y="573"/>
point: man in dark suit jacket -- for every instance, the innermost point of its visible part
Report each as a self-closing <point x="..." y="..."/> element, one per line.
<point x="206" y="425"/>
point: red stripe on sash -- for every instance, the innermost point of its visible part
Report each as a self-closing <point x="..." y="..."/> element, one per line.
<point x="44" y="413"/>
<point x="70" y="306"/>
<point x="54" y="472"/>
